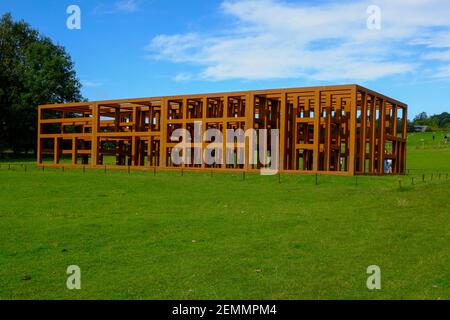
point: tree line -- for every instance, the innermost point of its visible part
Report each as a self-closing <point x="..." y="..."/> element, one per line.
<point x="434" y="122"/>
<point x="33" y="71"/>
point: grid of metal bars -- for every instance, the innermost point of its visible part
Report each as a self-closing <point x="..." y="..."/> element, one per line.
<point x="343" y="129"/>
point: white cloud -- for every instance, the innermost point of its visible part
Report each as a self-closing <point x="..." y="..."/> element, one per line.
<point x="272" y="39"/>
<point x="443" y="72"/>
<point x="434" y="40"/>
<point x="126" y="6"/>
<point x="91" y="83"/>
<point x="438" y="55"/>
<point x="183" y="76"/>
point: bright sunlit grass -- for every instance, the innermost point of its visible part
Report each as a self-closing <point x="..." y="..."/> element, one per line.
<point x="195" y="236"/>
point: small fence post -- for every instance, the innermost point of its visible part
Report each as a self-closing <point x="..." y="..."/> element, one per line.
<point x="412" y="180"/>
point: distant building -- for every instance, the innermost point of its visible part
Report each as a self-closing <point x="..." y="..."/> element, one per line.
<point x="420" y="128"/>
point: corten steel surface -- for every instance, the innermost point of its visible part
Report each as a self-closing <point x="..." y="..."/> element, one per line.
<point x="344" y="129"/>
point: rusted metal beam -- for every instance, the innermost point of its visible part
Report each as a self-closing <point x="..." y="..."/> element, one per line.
<point x="318" y="124"/>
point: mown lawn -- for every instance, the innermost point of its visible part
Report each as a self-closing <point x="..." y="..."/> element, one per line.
<point x="168" y="236"/>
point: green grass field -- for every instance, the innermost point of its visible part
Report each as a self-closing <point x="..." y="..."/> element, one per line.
<point x="198" y="236"/>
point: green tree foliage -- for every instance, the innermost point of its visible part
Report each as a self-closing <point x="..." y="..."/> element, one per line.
<point x="437" y="121"/>
<point x="33" y="71"/>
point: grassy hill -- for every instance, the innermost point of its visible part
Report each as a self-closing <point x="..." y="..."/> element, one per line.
<point x="199" y="236"/>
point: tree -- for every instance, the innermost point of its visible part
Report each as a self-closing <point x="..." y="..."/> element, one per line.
<point x="436" y="121"/>
<point x="33" y="71"/>
<point x="421" y="117"/>
<point x="443" y="120"/>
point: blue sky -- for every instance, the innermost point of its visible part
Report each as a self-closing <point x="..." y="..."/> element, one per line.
<point x="140" y="48"/>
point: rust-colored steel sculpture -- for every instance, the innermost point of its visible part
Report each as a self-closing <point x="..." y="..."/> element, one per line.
<point x="345" y="129"/>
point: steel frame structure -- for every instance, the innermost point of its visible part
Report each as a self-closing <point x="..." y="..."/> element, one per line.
<point x="345" y="129"/>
